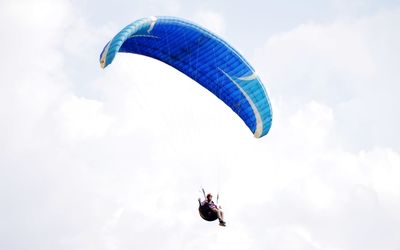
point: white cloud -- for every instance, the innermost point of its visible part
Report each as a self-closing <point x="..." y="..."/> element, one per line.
<point x="83" y="118"/>
<point x="347" y="65"/>
<point x="212" y="20"/>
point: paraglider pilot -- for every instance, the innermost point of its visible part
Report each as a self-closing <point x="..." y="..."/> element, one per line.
<point x="208" y="204"/>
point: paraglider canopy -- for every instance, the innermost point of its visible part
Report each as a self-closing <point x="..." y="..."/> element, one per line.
<point x="202" y="56"/>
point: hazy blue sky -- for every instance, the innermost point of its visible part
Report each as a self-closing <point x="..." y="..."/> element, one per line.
<point x="104" y="159"/>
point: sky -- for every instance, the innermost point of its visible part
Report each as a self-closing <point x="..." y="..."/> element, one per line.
<point x="115" y="159"/>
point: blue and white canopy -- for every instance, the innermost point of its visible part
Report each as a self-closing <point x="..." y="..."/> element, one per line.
<point x="202" y="56"/>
